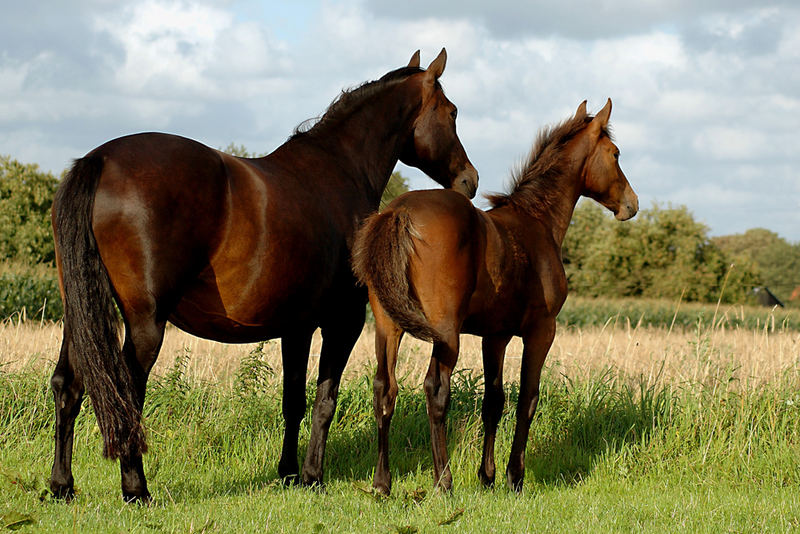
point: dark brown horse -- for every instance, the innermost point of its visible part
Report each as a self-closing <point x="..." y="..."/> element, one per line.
<point x="436" y="266"/>
<point x="232" y="249"/>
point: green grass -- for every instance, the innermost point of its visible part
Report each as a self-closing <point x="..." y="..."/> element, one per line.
<point x="606" y="453"/>
<point x="582" y="311"/>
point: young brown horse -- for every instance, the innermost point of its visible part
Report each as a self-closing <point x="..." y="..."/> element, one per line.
<point x="436" y="266"/>
<point x="232" y="249"/>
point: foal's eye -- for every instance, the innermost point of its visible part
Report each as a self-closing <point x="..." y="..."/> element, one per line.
<point x="616" y="156"/>
<point x="454" y="114"/>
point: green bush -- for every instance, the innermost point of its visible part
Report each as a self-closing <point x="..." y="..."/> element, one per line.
<point x="662" y="253"/>
<point x="30" y="292"/>
<point x="26" y="194"/>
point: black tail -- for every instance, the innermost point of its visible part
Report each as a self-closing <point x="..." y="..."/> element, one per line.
<point x="90" y="316"/>
<point x="381" y="252"/>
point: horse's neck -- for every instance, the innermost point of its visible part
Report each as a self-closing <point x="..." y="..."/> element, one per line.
<point x="366" y="144"/>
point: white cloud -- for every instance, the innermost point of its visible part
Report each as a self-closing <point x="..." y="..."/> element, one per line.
<point x="705" y="93"/>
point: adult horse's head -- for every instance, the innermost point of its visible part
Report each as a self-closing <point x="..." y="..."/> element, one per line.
<point x="603" y="179"/>
<point x="434" y="146"/>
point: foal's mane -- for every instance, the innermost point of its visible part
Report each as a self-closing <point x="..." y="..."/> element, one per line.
<point x="534" y="184"/>
<point x="350" y="99"/>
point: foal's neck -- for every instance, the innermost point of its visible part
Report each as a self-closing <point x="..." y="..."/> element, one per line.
<point x="558" y="192"/>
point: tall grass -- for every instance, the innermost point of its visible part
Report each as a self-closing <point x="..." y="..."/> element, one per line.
<point x="610" y="449"/>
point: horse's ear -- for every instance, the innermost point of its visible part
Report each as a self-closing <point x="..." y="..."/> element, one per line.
<point x="414" y="60"/>
<point x="581" y="113"/>
<point x="436" y="68"/>
<point x="600" y="121"/>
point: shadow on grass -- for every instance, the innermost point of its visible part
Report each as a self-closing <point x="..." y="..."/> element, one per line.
<point x="207" y="441"/>
<point x="577" y="424"/>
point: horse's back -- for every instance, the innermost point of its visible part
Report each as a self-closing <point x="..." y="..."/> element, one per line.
<point x="232" y="249"/>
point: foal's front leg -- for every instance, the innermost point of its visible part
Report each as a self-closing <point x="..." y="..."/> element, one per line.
<point x="494" y="349"/>
<point x="537" y="343"/>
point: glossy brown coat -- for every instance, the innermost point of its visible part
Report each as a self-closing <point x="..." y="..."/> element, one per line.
<point x="436" y="266"/>
<point x="232" y="249"/>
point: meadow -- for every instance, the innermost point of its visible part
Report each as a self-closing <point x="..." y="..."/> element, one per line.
<point x="666" y="427"/>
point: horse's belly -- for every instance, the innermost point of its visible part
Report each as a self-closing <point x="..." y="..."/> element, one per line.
<point x="208" y="312"/>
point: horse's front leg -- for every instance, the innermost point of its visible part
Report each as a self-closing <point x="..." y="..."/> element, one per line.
<point x="294" y="355"/>
<point x="537" y="343"/>
<point x="494" y="349"/>
<point x="338" y="339"/>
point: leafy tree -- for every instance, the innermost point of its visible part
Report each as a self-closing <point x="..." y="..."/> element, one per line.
<point x="397" y="185"/>
<point x="26" y="195"/>
<point x="662" y="253"/>
<point x="240" y="150"/>
<point x="777" y="259"/>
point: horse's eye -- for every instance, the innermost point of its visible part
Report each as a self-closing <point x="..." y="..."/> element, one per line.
<point x="454" y="114"/>
<point x="616" y="156"/>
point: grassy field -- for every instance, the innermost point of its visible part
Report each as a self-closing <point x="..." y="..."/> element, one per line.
<point x="693" y="429"/>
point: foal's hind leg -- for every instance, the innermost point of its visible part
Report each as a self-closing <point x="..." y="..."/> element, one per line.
<point x="387" y="342"/>
<point x="437" y="392"/>
<point x="294" y="353"/>
<point x="494" y="349"/>
<point x="537" y="343"/>
<point x="68" y="395"/>
<point x="143" y="338"/>
<point x="338" y="339"/>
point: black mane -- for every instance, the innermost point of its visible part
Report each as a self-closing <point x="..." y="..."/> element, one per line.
<point x="347" y="100"/>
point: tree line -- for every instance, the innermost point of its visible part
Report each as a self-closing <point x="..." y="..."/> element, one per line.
<point x="665" y="253"/>
<point x="662" y="253"/>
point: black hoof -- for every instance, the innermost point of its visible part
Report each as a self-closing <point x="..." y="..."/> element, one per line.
<point x="382" y="488"/>
<point x="486" y="480"/>
<point x="64" y="492"/>
<point x="290" y="480"/>
<point x="515" y="482"/>
<point x="144" y="499"/>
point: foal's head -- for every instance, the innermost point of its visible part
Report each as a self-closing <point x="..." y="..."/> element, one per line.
<point x="602" y="178"/>
<point x="434" y="146"/>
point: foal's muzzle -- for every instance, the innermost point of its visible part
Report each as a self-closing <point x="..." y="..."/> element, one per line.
<point x="466" y="182"/>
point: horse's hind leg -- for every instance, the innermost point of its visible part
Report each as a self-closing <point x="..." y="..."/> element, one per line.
<point x="493" y="355"/>
<point x="338" y="339"/>
<point x="294" y="353"/>
<point x="143" y="338"/>
<point x="68" y="395"/>
<point x="387" y="342"/>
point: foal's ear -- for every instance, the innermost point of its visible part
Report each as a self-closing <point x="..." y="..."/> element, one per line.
<point x="414" y="60"/>
<point x="436" y="68"/>
<point x="600" y="121"/>
<point x="581" y="113"/>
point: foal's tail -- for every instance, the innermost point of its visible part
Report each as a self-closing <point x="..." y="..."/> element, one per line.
<point x="381" y="252"/>
<point x="91" y="322"/>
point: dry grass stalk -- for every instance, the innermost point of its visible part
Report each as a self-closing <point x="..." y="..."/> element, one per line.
<point x="751" y="357"/>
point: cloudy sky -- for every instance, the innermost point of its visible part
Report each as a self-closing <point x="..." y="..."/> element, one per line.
<point x="706" y="94"/>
